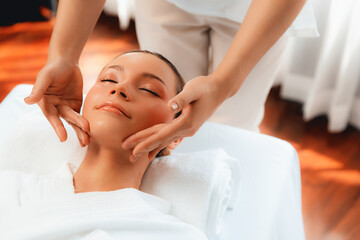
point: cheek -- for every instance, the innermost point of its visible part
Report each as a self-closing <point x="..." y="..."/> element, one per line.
<point x="89" y="113"/>
<point x="93" y="98"/>
<point x="155" y="114"/>
<point x="86" y="108"/>
<point x="88" y="105"/>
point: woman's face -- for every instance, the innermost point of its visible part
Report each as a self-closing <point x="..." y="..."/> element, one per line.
<point x="130" y="94"/>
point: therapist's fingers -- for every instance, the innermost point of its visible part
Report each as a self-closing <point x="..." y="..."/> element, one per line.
<point x="52" y="115"/>
<point x="168" y="134"/>
<point x="57" y="101"/>
<point x="158" y="140"/>
<point x="153" y="153"/>
<point x="178" y="128"/>
<point x="163" y="129"/>
<point x="78" y="123"/>
<point x="134" y="158"/>
<point x="43" y="81"/>
<point x="136" y="138"/>
<point x="189" y="94"/>
<point x="80" y="134"/>
<point x="70" y="115"/>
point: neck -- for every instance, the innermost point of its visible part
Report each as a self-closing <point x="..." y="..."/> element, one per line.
<point x="108" y="169"/>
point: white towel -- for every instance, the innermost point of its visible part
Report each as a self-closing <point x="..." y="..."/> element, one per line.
<point x="122" y="214"/>
<point x="202" y="179"/>
<point x="200" y="186"/>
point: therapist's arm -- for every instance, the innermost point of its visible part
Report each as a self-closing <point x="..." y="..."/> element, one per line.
<point x="264" y="23"/>
<point x="75" y="20"/>
<point x="58" y="86"/>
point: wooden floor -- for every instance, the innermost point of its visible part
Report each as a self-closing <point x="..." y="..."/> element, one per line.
<point x="330" y="163"/>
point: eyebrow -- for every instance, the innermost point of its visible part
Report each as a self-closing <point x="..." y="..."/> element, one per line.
<point x="150" y="75"/>
<point x="145" y="74"/>
<point x="117" y="67"/>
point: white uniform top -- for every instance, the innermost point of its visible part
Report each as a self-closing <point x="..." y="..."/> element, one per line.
<point x="235" y="10"/>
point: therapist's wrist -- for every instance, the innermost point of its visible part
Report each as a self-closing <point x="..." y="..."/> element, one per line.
<point x="68" y="54"/>
<point x="218" y="86"/>
<point x="226" y="84"/>
<point x="64" y="57"/>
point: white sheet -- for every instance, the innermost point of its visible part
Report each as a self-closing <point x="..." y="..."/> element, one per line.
<point x="198" y="185"/>
<point x="269" y="202"/>
<point x="123" y="214"/>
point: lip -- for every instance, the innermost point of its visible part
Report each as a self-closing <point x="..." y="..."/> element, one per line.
<point x="113" y="107"/>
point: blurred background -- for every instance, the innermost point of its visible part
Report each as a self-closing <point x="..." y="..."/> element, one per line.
<point x="314" y="104"/>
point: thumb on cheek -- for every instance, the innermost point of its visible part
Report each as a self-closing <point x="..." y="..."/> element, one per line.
<point x="178" y="102"/>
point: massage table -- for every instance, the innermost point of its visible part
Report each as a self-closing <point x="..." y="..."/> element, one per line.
<point x="269" y="200"/>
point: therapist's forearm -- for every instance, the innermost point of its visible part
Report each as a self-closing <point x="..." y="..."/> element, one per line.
<point x="75" y="21"/>
<point x="263" y="25"/>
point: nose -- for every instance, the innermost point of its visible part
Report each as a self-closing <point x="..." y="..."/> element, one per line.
<point x="122" y="92"/>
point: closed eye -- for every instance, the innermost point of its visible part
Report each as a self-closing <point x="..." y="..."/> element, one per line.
<point x="108" y="80"/>
<point x="154" y="93"/>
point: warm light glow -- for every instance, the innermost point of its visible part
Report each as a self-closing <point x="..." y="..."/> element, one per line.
<point x="351" y="177"/>
<point x="327" y="168"/>
<point x="312" y="160"/>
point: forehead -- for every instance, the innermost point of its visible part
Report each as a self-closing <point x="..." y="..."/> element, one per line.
<point x="138" y="63"/>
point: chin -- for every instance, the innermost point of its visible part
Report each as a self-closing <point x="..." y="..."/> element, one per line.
<point x="108" y="133"/>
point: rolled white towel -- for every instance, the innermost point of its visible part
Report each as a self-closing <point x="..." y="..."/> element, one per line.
<point x="199" y="185"/>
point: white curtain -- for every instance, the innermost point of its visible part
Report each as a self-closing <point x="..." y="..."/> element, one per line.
<point x="324" y="73"/>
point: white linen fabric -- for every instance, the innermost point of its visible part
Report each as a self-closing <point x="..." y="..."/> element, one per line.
<point x="200" y="186"/>
<point x="303" y="26"/>
<point x="49" y="209"/>
<point x="324" y="73"/>
<point x="269" y="202"/>
<point x="19" y="189"/>
<point x="235" y="10"/>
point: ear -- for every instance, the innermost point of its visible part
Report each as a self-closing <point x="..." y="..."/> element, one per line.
<point x="174" y="144"/>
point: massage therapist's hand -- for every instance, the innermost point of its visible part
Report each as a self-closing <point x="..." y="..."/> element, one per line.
<point x="198" y="101"/>
<point x="58" y="92"/>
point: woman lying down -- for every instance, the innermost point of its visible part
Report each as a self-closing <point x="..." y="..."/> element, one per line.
<point x="102" y="200"/>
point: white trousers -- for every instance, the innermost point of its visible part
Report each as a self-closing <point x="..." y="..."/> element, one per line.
<point x="196" y="44"/>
